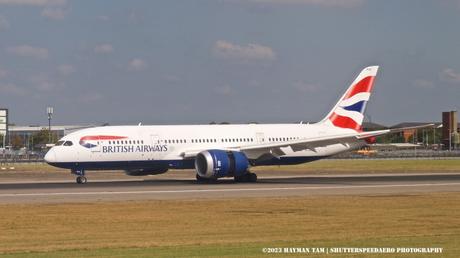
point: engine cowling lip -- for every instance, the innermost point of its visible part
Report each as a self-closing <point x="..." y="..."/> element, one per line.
<point x="209" y="164"/>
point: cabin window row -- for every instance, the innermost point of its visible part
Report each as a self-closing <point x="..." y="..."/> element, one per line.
<point x="237" y="140"/>
<point x="282" y="139"/>
<point x="271" y="139"/>
<point x="176" y="141"/>
<point x="127" y="142"/>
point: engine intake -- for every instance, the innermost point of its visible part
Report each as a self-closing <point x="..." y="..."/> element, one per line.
<point x="219" y="163"/>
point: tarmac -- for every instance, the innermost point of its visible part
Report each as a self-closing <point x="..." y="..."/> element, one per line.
<point x="186" y="188"/>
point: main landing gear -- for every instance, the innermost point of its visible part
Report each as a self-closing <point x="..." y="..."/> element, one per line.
<point x="246" y="178"/>
<point x="205" y="180"/>
<point x="80" y="173"/>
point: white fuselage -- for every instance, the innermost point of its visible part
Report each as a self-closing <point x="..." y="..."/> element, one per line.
<point x="123" y="147"/>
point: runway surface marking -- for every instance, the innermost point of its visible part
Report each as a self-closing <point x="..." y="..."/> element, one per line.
<point x="224" y="190"/>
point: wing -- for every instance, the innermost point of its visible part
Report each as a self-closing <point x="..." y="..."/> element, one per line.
<point x="311" y="143"/>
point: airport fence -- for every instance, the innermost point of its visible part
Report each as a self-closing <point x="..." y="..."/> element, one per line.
<point x="10" y="159"/>
<point x="401" y="154"/>
<point x="395" y="154"/>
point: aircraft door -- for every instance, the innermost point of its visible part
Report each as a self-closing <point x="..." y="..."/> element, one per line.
<point x="97" y="148"/>
<point x="260" y="138"/>
<point x="155" y="148"/>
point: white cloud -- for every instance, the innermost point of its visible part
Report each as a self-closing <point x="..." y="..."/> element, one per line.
<point x="449" y="75"/>
<point x="10" y="88"/>
<point x="33" y="2"/>
<point x="137" y="64"/>
<point x="305" y="87"/>
<point x="103" y="49"/>
<point x="43" y="83"/>
<point x="90" y="97"/>
<point x="225" y="90"/>
<point x="28" y="51"/>
<point x="228" y="50"/>
<point x="46" y="86"/>
<point x="4" y="23"/>
<point x="66" y="69"/>
<point x="103" y="18"/>
<point x="327" y="3"/>
<point x="54" y="13"/>
<point x="3" y="73"/>
<point x="423" y="84"/>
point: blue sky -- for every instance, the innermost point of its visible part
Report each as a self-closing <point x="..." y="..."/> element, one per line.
<point x="177" y="62"/>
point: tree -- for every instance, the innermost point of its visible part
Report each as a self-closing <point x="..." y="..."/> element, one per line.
<point x="16" y="142"/>
<point x="41" y="138"/>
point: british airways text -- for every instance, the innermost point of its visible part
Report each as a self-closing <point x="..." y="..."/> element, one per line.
<point x="141" y="148"/>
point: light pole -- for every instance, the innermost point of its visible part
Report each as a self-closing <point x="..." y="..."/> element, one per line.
<point x="50" y="111"/>
<point x="450" y="140"/>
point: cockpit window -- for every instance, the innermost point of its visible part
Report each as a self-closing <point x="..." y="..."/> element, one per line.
<point x="59" y="143"/>
<point x="68" y="143"/>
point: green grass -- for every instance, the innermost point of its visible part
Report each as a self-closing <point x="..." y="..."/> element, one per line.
<point x="326" y="166"/>
<point x="231" y="227"/>
<point x="370" y="166"/>
<point x="249" y="250"/>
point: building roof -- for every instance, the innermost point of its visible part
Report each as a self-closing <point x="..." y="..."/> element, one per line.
<point x="35" y="128"/>
<point x="411" y="124"/>
<point x="368" y="126"/>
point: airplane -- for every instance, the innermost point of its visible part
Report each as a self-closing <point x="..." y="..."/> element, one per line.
<point x="217" y="151"/>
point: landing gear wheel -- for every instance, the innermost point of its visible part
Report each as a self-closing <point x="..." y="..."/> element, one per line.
<point x="248" y="177"/>
<point x="205" y="180"/>
<point x="239" y="179"/>
<point x="81" y="180"/>
<point x="252" y="177"/>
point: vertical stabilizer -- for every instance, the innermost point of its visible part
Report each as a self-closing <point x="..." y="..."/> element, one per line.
<point x="349" y="110"/>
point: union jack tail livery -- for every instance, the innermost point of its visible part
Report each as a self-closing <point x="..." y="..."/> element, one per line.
<point x="349" y="110"/>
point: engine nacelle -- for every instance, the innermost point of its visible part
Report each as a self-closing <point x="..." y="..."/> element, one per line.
<point x="219" y="163"/>
<point x="145" y="172"/>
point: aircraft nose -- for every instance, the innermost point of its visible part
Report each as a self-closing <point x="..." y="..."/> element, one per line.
<point x="50" y="156"/>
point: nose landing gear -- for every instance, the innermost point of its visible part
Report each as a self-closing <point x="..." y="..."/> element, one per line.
<point x="80" y="173"/>
<point x="81" y="180"/>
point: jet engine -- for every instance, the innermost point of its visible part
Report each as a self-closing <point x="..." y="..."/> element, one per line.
<point x="145" y="172"/>
<point x="220" y="163"/>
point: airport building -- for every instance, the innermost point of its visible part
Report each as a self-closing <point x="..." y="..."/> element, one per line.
<point x="450" y="132"/>
<point x="25" y="134"/>
<point x="3" y="126"/>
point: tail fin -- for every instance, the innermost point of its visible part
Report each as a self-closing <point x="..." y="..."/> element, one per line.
<point x="349" y="110"/>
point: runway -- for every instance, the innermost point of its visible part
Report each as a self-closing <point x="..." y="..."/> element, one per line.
<point x="186" y="188"/>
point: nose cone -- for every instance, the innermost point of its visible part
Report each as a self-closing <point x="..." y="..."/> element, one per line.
<point x="50" y="156"/>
